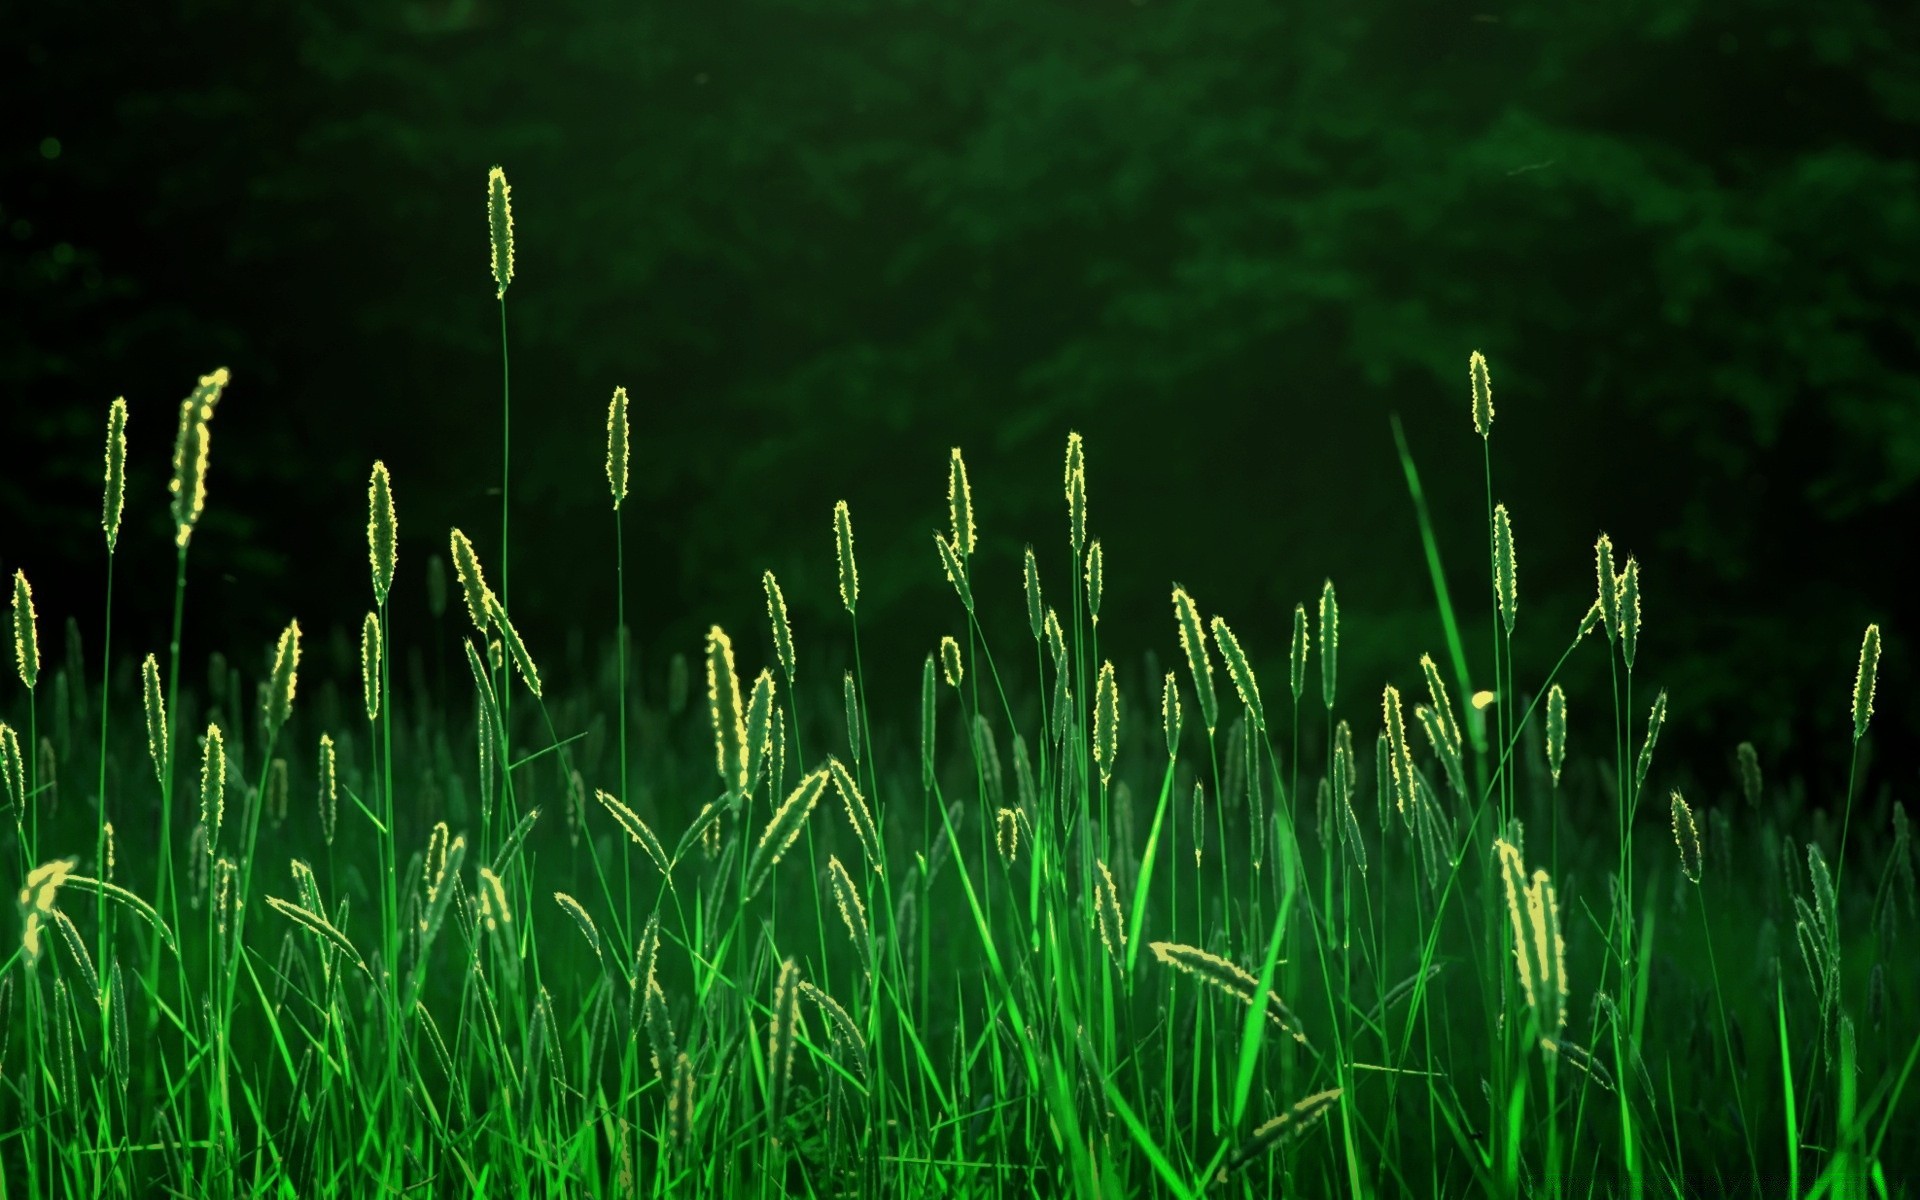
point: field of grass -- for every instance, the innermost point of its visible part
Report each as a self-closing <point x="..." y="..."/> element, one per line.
<point x="1246" y="929"/>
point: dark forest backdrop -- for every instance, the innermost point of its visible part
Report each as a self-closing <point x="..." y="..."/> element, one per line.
<point x="822" y="242"/>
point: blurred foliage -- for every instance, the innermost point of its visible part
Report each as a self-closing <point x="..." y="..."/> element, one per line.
<point x="821" y="242"/>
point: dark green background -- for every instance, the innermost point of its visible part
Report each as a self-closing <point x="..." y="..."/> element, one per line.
<point x="821" y="243"/>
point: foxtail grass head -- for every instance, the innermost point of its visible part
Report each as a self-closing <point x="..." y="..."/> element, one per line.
<point x="1506" y="585"/>
<point x="1556" y="731"/>
<point x="729" y="718"/>
<point x="116" y="491"/>
<point x="26" y="635"/>
<point x="1036" y="610"/>
<point x="1106" y="722"/>
<point x="1170" y="715"/>
<point x="1863" y="681"/>
<point x="843" y="551"/>
<point x="1686" y="835"/>
<point x="190" y="451"/>
<point x="1329" y="641"/>
<point x="617" y="445"/>
<point x="286" y="676"/>
<point x="1076" y="482"/>
<point x="155" y="704"/>
<point x="1482" y="395"/>
<point x="213" y="783"/>
<point x="1400" y="756"/>
<point x="1297" y="660"/>
<point x="500" y="230"/>
<point x="372" y="654"/>
<point x="782" y="628"/>
<point x="473" y="583"/>
<point x="1609" y="587"/>
<point x="1096" y="579"/>
<point x="1241" y="672"/>
<point x="383" y="532"/>
<point x="960" y="506"/>
<point x="950" y="665"/>
<point x="329" y="798"/>
<point x="1630" y="611"/>
<point x="1193" y="640"/>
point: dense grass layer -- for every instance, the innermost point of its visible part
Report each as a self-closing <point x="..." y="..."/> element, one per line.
<point x="460" y="928"/>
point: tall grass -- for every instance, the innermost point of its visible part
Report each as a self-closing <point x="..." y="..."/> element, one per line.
<point x="1326" y="1005"/>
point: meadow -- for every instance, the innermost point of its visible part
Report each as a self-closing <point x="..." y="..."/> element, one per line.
<point x="472" y="919"/>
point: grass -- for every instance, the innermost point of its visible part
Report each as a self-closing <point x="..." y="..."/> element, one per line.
<point x="1361" y="978"/>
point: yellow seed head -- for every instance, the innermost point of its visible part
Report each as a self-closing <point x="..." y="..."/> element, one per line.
<point x="729" y="718"/>
<point x="112" y="858"/>
<point x="960" y="505"/>
<point x="1400" y="756"/>
<point x="1096" y="573"/>
<point x="1609" y="586"/>
<point x="846" y="895"/>
<point x="26" y="637"/>
<point x="286" y="677"/>
<point x="1106" y="722"/>
<point x="1556" y="731"/>
<point x="950" y="665"/>
<point x="1242" y="673"/>
<point x="1549" y="950"/>
<point x="116" y="492"/>
<point x="493" y="901"/>
<point x="1482" y="395"/>
<point x="782" y="629"/>
<point x="1629" y="611"/>
<point x="1442" y="703"/>
<point x="1297" y="660"/>
<point x="1513" y="874"/>
<point x="371" y="651"/>
<point x="329" y="788"/>
<point x="1030" y="572"/>
<point x="843" y="550"/>
<point x="383" y="531"/>
<point x="516" y="649"/>
<point x="858" y="814"/>
<point x="1113" y="931"/>
<point x="213" y="782"/>
<point x="1863" y="681"/>
<point x="617" y="445"/>
<point x="1170" y="714"/>
<point x="1006" y="835"/>
<point x="1076" y="493"/>
<point x="500" y="229"/>
<point x="1686" y="835"/>
<point x="466" y="565"/>
<point x="1506" y="587"/>
<point x="155" y="703"/>
<point x="1193" y="640"/>
<point x="190" y="447"/>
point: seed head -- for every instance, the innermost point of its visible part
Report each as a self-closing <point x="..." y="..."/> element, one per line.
<point x="1298" y="660"/>
<point x="473" y="584"/>
<point x="1170" y="714"/>
<point x="853" y="715"/>
<point x="950" y="665"/>
<point x="1482" y="395"/>
<point x="1106" y="722"/>
<point x="955" y="568"/>
<point x="1035" y="617"/>
<point x="1442" y="705"/>
<point x="729" y="718"/>
<point x="1113" y="931"/>
<point x="213" y="783"/>
<point x="1556" y="731"/>
<point x="843" y="546"/>
<point x="1863" y="681"/>
<point x="1193" y="639"/>
<point x="1749" y="771"/>
<point x="1096" y="572"/>
<point x="1241" y="672"/>
<point x="960" y="505"/>
<point x="382" y="531"/>
<point x="927" y="717"/>
<point x="846" y="895"/>
<point x="286" y="674"/>
<point x="1329" y="641"/>
<point x="1006" y="835"/>
<point x="1401" y="758"/>
<point x="116" y="493"/>
<point x="1505" y="584"/>
<point x="515" y="648"/>
<point x="1686" y="835"/>
<point x="1076" y="493"/>
<point x="500" y="229"/>
<point x="372" y="651"/>
<point x="617" y="445"/>
<point x="1609" y="586"/>
<point x="189" y="483"/>
<point x="1629" y="611"/>
<point x="329" y="788"/>
<point x="155" y="703"/>
<point x="782" y="629"/>
<point x="26" y="638"/>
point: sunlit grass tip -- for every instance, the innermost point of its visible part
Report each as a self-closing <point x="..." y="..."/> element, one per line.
<point x="1686" y="835"/>
<point x="190" y="454"/>
<point x="372" y="652"/>
<point x="114" y="500"/>
<point x="960" y="505"/>
<point x="617" y="449"/>
<point x="383" y="531"/>
<point x="1864" y="679"/>
<point x="1106" y="722"/>
<point x="729" y="718"/>
<point x="1506" y="586"/>
<point x="26" y="636"/>
<point x="500" y="230"/>
<point x="515" y="648"/>
<point x="1076" y="487"/>
<point x="950" y="665"/>
<point x="1193" y="640"/>
<point x="285" y="678"/>
<point x="1556" y="731"/>
<point x="1482" y="385"/>
<point x="213" y="782"/>
<point x="843" y="553"/>
<point x="781" y="626"/>
<point x="783" y="830"/>
<point x="473" y="582"/>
